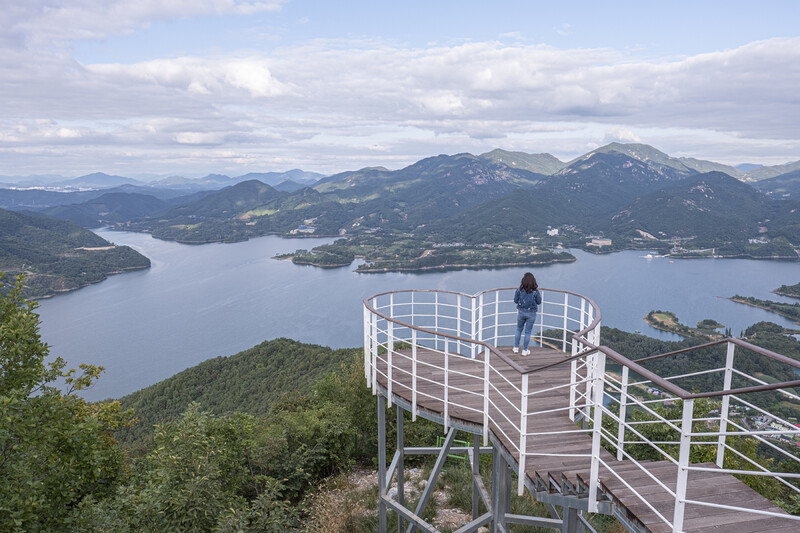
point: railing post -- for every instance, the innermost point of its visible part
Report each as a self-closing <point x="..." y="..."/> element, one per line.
<point x="496" y="317"/>
<point x="486" y="397"/>
<point x="389" y="351"/>
<point x="683" y="464"/>
<point x="374" y="364"/>
<point x="523" y="435"/>
<point x="473" y="312"/>
<point x="367" y="348"/>
<point x="564" y="327"/>
<point x="458" y="321"/>
<point x="480" y="318"/>
<point x="597" y="426"/>
<point x="541" y="320"/>
<point x="436" y="319"/>
<point x="573" y="381"/>
<point x="413" y="375"/>
<point x="446" y="386"/>
<point x="591" y="364"/>
<point x="623" y="407"/>
<point x="726" y="402"/>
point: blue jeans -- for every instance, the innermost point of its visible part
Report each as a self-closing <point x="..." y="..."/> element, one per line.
<point x="524" y="319"/>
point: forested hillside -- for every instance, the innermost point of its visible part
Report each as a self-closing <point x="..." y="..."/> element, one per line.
<point x="250" y="382"/>
<point x="57" y="255"/>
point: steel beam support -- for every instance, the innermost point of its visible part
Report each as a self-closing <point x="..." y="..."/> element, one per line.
<point x="534" y="521"/>
<point x="501" y="489"/>
<point x="570" y="522"/>
<point x="475" y="524"/>
<point x="476" y="476"/>
<point x="437" y="469"/>
<point x="381" y="462"/>
<point x="416" y="521"/>
<point x="401" y="496"/>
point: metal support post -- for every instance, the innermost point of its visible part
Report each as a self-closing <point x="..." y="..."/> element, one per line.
<point x="381" y="462"/>
<point x="446" y="385"/>
<point x="501" y="489"/>
<point x="523" y="434"/>
<point x="413" y="375"/>
<point x="476" y="471"/>
<point x="486" y="397"/>
<point x="726" y="403"/>
<point x="401" y="497"/>
<point x="683" y="464"/>
<point x="570" y="520"/>
<point x="496" y="458"/>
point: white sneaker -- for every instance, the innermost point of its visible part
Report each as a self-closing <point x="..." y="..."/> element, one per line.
<point x="515" y="349"/>
<point x="526" y="352"/>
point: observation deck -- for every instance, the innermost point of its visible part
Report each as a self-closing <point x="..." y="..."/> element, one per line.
<point x="584" y="428"/>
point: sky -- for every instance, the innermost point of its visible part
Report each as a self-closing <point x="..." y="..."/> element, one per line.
<point x="154" y="88"/>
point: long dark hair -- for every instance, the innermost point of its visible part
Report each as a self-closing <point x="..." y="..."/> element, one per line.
<point x="528" y="283"/>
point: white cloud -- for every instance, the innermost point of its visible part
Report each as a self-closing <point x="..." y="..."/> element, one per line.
<point x="46" y="21"/>
<point x="199" y="76"/>
<point x="621" y="135"/>
<point x="281" y="106"/>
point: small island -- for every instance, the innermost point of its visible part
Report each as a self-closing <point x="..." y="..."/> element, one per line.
<point x="409" y="254"/>
<point x="668" y="321"/>
<point x="793" y="291"/>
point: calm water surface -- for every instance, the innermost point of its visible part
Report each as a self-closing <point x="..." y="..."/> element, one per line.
<point x="198" y="302"/>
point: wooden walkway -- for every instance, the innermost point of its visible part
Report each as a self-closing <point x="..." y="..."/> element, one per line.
<point x="467" y="374"/>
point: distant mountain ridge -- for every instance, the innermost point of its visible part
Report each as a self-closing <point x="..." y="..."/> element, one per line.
<point x="498" y="196"/>
<point x="658" y="160"/>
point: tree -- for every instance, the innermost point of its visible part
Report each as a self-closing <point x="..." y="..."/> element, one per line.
<point x="55" y="449"/>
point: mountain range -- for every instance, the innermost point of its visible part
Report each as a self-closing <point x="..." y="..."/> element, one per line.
<point x="626" y="193"/>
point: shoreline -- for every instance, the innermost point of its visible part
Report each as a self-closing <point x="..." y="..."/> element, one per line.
<point x="58" y="292"/>
<point x="792" y="319"/>
<point x="461" y="266"/>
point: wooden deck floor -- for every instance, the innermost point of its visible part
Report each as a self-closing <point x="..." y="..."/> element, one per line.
<point x="467" y="375"/>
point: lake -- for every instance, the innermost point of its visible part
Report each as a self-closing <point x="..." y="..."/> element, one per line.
<point x="198" y="302"/>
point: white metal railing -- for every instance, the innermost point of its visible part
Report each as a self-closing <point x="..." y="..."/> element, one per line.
<point x="610" y="406"/>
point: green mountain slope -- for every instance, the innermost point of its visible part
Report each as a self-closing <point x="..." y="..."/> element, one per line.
<point x="109" y="208"/>
<point x="707" y="206"/>
<point x="763" y="173"/>
<point x="543" y="164"/>
<point x="231" y="201"/>
<point x="58" y="255"/>
<point x="250" y="381"/>
<point x="782" y="186"/>
<point x="583" y="195"/>
<point x="661" y="162"/>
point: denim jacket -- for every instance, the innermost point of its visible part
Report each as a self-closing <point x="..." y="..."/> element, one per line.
<point x="527" y="301"/>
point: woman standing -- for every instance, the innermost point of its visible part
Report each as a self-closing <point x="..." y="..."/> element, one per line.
<point x="528" y="300"/>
